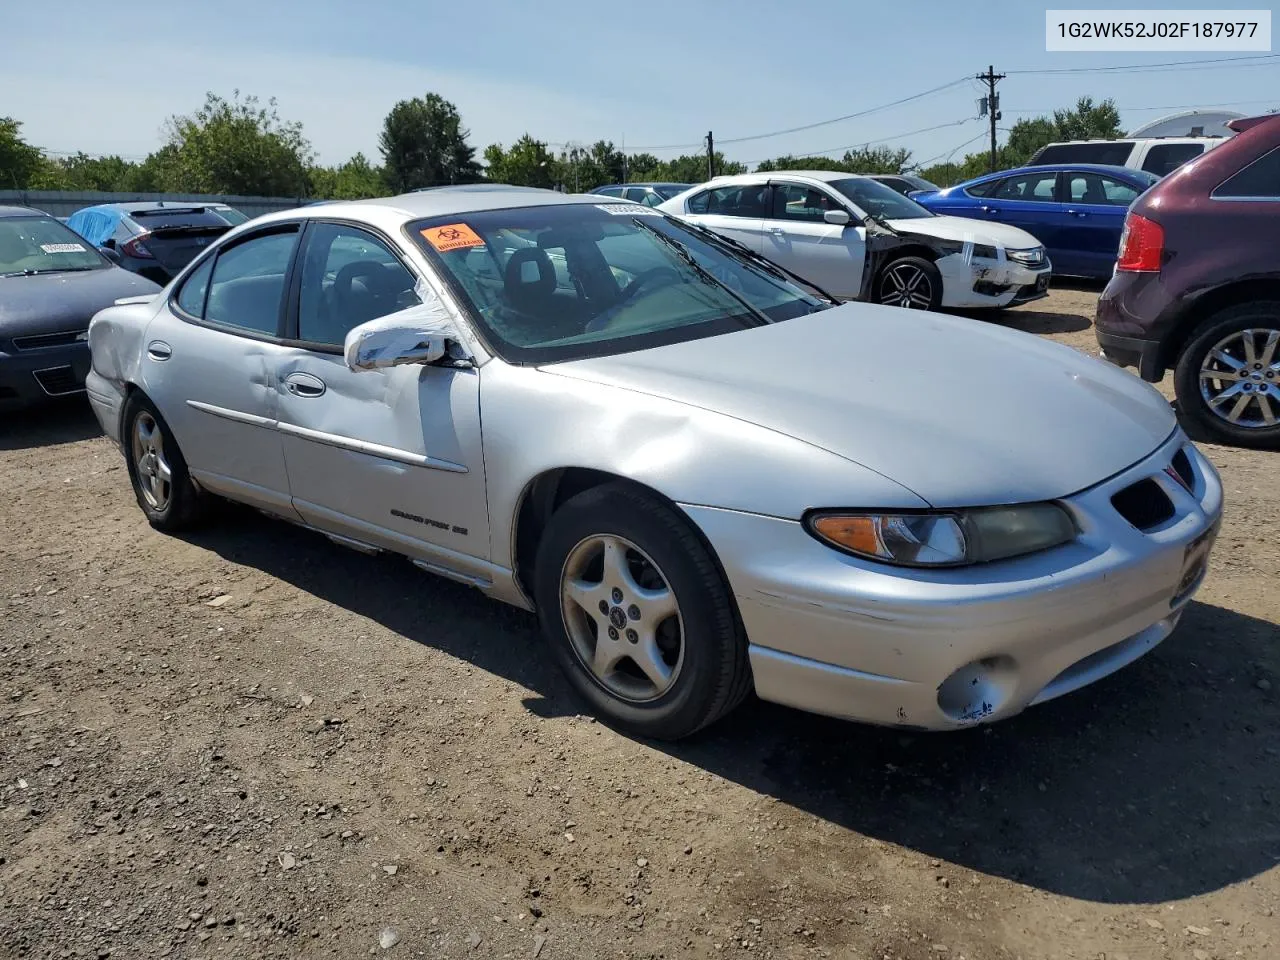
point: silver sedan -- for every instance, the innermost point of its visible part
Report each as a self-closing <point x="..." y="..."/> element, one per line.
<point x="703" y="475"/>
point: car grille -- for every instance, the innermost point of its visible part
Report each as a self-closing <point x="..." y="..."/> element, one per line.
<point x="1182" y="467"/>
<point x="1143" y="504"/>
<point x="47" y="340"/>
<point x="1031" y="257"/>
<point x="56" y="381"/>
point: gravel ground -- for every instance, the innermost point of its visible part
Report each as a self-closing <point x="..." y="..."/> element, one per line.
<point x="251" y="743"/>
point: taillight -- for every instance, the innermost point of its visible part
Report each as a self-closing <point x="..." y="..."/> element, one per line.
<point x="134" y="247"/>
<point x="1141" y="245"/>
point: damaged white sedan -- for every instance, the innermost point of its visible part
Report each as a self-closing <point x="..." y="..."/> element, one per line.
<point x="703" y="476"/>
<point x="862" y="240"/>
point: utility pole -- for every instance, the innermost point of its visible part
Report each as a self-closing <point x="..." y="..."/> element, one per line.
<point x="711" y="155"/>
<point x="993" y="106"/>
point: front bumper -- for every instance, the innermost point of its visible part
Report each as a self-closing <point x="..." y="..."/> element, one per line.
<point x="991" y="283"/>
<point x="40" y="374"/>
<point x="946" y="649"/>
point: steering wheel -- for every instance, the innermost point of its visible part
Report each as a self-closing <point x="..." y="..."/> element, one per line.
<point x="367" y="269"/>
<point x="642" y="279"/>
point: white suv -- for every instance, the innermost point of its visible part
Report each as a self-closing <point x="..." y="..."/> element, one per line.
<point x="816" y="224"/>
<point x="1158" y="155"/>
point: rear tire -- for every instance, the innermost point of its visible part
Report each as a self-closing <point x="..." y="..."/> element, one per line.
<point x="1242" y="405"/>
<point x="627" y="592"/>
<point x="157" y="469"/>
<point x="910" y="282"/>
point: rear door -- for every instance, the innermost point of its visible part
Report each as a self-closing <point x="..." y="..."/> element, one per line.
<point x="1029" y="201"/>
<point x="1095" y="209"/>
<point x="735" y="210"/>
<point x="174" y="236"/>
<point x="796" y="235"/>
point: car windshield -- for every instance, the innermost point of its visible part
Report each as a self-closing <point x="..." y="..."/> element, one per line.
<point x="669" y="190"/>
<point x="873" y="197"/>
<point x="231" y="215"/>
<point x="566" y="281"/>
<point x="38" y="244"/>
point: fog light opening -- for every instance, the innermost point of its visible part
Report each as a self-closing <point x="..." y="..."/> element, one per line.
<point x="979" y="689"/>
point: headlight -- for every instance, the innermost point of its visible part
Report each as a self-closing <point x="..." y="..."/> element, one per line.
<point x="957" y="246"/>
<point x="944" y="539"/>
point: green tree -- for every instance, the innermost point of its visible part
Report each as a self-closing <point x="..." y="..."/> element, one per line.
<point x="424" y="144"/>
<point x="19" y="161"/>
<point x="83" y="172"/>
<point x="356" y="179"/>
<point x="527" y="164"/>
<point x="236" y="147"/>
<point x="877" y="160"/>
<point x="690" y="168"/>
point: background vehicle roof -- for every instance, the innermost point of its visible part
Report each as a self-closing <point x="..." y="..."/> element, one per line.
<point x="1106" y="168"/>
<point x="826" y="176"/>
<point x="21" y="212"/>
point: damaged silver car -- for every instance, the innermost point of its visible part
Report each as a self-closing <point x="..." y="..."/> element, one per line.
<point x="703" y="475"/>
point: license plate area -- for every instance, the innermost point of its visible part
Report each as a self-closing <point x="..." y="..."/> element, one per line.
<point x="1195" y="560"/>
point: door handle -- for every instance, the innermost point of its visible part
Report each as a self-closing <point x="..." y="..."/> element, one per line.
<point x="777" y="231"/>
<point x="1077" y="213"/>
<point x="159" y="350"/>
<point x="994" y="211"/>
<point x="304" y="385"/>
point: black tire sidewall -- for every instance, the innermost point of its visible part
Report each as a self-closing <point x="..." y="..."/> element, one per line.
<point x="181" y="507"/>
<point x="930" y="270"/>
<point x="1186" y="375"/>
<point x="710" y="634"/>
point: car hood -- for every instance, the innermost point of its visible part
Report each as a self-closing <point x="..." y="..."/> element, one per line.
<point x="967" y="228"/>
<point x="59" y="302"/>
<point x="961" y="412"/>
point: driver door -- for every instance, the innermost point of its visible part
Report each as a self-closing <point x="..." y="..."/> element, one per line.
<point x="796" y="236"/>
<point x="388" y="457"/>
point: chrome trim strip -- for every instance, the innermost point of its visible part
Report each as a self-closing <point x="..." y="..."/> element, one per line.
<point x="371" y="449"/>
<point x="235" y="415"/>
<point x="478" y="582"/>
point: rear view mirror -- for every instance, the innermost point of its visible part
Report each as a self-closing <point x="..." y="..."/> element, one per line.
<point x="418" y="334"/>
<point x="838" y="217"/>
<point x="110" y="254"/>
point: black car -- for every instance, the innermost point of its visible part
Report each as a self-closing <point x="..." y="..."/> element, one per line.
<point x="650" y="194"/>
<point x="52" y="282"/>
<point x="155" y="238"/>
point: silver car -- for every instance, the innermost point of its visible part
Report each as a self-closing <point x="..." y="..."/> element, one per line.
<point x="704" y="476"/>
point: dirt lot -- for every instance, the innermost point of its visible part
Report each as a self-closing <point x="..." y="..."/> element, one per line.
<point x="252" y="743"/>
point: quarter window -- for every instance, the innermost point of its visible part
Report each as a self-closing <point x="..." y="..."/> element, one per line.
<point x="982" y="189"/>
<point x="1259" y="179"/>
<point x="247" y="285"/>
<point x="1031" y="187"/>
<point x="349" y="277"/>
<point x="191" y="296"/>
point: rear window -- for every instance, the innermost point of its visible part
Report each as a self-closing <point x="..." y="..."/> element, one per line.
<point x="1113" y="153"/>
<point x="1259" y="179"/>
<point x="1164" y="158"/>
<point x="171" y="217"/>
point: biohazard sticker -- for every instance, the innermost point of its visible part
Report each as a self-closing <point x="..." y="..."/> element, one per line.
<point x="62" y="248"/>
<point x="452" y="236"/>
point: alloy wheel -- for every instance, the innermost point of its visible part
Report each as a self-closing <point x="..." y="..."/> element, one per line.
<point x="1240" y="378"/>
<point x="155" y="478"/>
<point x="906" y="285"/>
<point x="622" y="618"/>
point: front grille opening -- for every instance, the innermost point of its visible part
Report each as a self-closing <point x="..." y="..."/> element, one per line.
<point x="1182" y="467"/>
<point x="58" y="380"/>
<point x="1143" y="504"/>
<point x="47" y="340"/>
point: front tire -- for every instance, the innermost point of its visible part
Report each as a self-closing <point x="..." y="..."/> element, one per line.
<point x="638" y="615"/>
<point x="910" y="282"/>
<point x="1227" y="378"/>
<point x="157" y="469"/>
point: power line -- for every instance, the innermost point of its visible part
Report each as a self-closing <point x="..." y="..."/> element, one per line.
<point x="1255" y="60"/>
<point x="1176" y="106"/>
<point x="948" y="153"/>
<point x="867" y="143"/>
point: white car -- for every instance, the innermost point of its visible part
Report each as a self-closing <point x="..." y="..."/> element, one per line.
<point x="861" y="240"/>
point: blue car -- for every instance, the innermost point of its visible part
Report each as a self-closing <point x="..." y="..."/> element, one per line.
<point x="1075" y="209"/>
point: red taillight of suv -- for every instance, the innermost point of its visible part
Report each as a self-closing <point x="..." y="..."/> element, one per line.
<point x="1141" y="245"/>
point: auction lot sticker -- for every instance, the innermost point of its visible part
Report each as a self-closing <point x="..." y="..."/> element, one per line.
<point x="452" y="236"/>
<point x="61" y="248"/>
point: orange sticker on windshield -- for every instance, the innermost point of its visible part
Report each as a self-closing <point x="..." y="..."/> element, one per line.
<point x="453" y="236"/>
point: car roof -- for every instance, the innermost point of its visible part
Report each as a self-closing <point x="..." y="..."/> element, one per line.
<point x="6" y="211"/>
<point x="136" y="206"/>
<point x="824" y="176"/>
<point x="1107" y="168"/>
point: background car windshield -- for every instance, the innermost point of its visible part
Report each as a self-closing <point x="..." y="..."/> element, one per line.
<point x="873" y="197"/>
<point x="231" y="215"/>
<point x="43" y="245"/>
<point x="564" y="281"/>
<point x="669" y="190"/>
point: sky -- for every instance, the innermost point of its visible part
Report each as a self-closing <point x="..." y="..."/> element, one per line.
<point x="657" y="76"/>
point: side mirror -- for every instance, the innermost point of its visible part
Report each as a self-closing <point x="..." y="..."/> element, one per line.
<point x="839" y="217"/>
<point x="419" y="334"/>
<point x="110" y="253"/>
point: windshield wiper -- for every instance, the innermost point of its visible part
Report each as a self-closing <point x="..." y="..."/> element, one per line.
<point x="33" y="272"/>
<point x="759" y="259"/>
<point x="706" y="275"/>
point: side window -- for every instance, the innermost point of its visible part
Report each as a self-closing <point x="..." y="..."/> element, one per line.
<point x="1164" y="158"/>
<point x="191" y="296"/>
<point x="983" y="189"/>
<point x="652" y="198"/>
<point x="794" y="201"/>
<point x="610" y="191"/>
<point x="699" y="202"/>
<point x="1031" y="187"/>
<point x="1092" y="188"/>
<point x="349" y="277"/>
<point x="1259" y="179"/>
<point x="634" y="193"/>
<point x="247" y="285"/>
<point x="738" y="200"/>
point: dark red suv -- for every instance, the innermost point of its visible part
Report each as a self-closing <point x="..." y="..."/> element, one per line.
<point x="1197" y="287"/>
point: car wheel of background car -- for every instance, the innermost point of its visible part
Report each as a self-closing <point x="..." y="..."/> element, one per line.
<point x="157" y="468"/>
<point x="910" y="282"/>
<point x="638" y="614"/>
<point x="1227" y="378"/>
